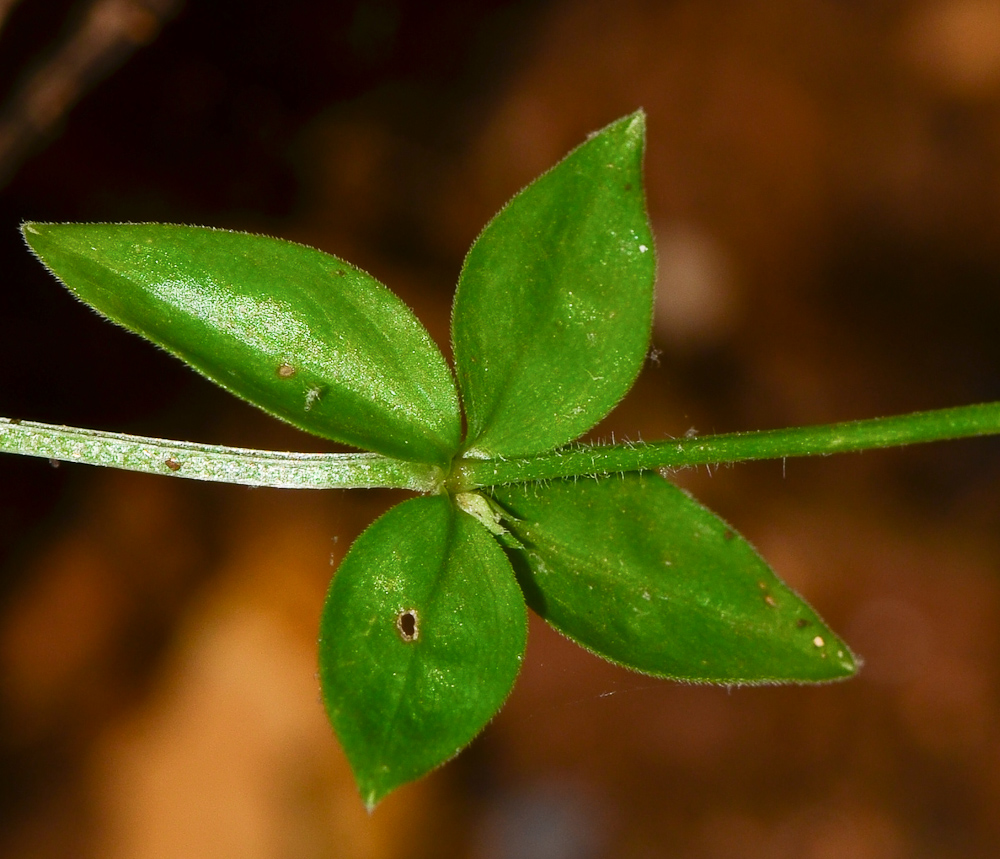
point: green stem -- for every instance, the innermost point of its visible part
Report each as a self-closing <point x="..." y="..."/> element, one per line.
<point x="370" y="470"/>
<point x="960" y="422"/>
<point x="216" y="463"/>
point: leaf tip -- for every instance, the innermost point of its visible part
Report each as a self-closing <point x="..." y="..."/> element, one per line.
<point x="634" y="125"/>
<point x="34" y="234"/>
<point x="637" y="118"/>
<point x="849" y="664"/>
<point x="376" y="784"/>
<point x="838" y="660"/>
<point x="39" y="237"/>
<point x="371" y="799"/>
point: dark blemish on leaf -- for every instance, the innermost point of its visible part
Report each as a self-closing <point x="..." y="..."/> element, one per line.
<point x="172" y="464"/>
<point x="802" y="623"/>
<point x="628" y="186"/>
<point x="341" y="273"/>
<point x="286" y="371"/>
<point x="728" y="534"/>
<point x="14" y="421"/>
<point x="406" y="623"/>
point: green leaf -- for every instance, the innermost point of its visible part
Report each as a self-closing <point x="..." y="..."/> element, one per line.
<point x="299" y="333"/>
<point x="421" y="639"/>
<point x="637" y="571"/>
<point x="554" y="304"/>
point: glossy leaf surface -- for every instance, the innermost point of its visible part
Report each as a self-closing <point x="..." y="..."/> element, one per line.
<point x="637" y="571"/>
<point x="554" y="304"/>
<point x="299" y="333"/>
<point x="421" y="640"/>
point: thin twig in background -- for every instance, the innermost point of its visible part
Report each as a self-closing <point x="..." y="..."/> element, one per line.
<point x="106" y="34"/>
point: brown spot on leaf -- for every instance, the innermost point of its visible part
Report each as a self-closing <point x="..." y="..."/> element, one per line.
<point x="406" y="623"/>
<point x="285" y="371"/>
<point x="172" y="464"/>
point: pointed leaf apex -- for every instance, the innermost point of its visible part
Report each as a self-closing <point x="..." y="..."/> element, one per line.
<point x="554" y="305"/>
<point x="299" y="333"/>
<point x="422" y="637"/>
<point x="638" y="572"/>
<point x="636" y="122"/>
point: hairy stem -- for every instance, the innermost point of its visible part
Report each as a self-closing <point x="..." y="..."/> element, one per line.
<point x="370" y="470"/>
<point x="960" y="422"/>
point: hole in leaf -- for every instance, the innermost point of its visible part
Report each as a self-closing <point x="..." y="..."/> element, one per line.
<point x="406" y="623"/>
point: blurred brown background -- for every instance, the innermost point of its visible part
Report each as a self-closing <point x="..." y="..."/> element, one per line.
<point x="824" y="181"/>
